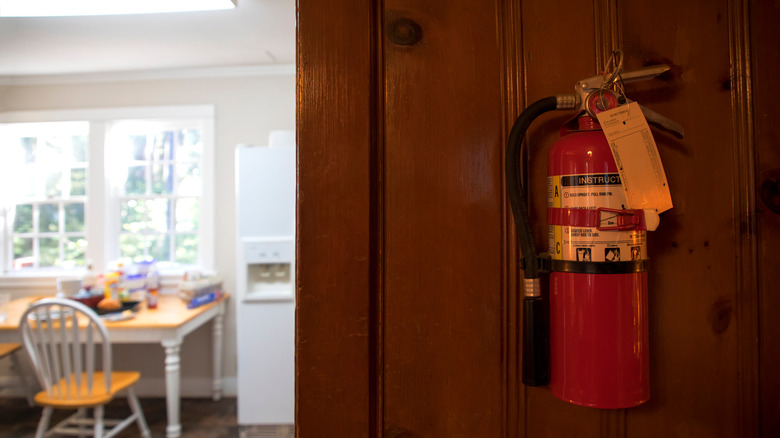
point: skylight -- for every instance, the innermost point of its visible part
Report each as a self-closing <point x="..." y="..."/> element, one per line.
<point x="59" y="8"/>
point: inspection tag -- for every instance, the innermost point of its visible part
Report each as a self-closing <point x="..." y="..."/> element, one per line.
<point x="641" y="172"/>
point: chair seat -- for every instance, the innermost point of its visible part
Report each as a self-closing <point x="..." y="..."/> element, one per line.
<point x="9" y="348"/>
<point x="84" y="398"/>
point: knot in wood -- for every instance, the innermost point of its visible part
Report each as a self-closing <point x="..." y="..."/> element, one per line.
<point x="404" y="32"/>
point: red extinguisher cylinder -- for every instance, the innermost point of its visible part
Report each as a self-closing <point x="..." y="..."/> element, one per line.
<point x="598" y="339"/>
<point x="598" y="286"/>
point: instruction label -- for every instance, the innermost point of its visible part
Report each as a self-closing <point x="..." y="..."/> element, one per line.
<point x="586" y="244"/>
<point x="636" y="155"/>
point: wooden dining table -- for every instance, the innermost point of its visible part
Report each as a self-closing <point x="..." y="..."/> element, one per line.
<point x="167" y="325"/>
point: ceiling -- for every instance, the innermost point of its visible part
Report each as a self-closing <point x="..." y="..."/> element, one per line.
<point x="257" y="32"/>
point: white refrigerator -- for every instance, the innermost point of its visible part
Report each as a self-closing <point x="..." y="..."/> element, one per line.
<point x="265" y="304"/>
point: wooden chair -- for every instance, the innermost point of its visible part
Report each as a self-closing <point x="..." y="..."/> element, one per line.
<point x="61" y="336"/>
<point x="10" y="350"/>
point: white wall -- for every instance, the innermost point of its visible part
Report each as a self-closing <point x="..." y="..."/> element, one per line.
<point x="248" y="105"/>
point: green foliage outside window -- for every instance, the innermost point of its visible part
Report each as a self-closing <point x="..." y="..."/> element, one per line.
<point x="49" y="252"/>
<point x="186" y="248"/>
<point x="135" y="184"/>
<point x="161" y="196"/>
<point x="23" y="220"/>
<point x="74" y="217"/>
<point x="75" y="249"/>
<point x="78" y="182"/>
<point x="49" y="217"/>
<point x="160" y="247"/>
<point x="23" y="247"/>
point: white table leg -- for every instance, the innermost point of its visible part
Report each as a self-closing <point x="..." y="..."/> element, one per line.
<point x="172" y="383"/>
<point x="217" y="333"/>
<point x="28" y="391"/>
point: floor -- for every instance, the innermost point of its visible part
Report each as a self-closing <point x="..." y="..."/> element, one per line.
<point x="200" y="418"/>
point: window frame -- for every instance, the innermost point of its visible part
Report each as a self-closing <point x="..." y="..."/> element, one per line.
<point x="48" y="164"/>
<point x="102" y="219"/>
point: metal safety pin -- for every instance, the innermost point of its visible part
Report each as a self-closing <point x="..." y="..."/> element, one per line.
<point x="594" y="82"/>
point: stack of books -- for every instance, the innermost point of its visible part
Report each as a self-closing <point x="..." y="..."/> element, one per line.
<point x="201" y="291"/>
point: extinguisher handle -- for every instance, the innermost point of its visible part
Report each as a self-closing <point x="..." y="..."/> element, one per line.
<point x="535" y="342"/>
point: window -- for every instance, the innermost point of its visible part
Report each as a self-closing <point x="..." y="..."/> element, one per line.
<point x="46" y="168"/>
<point x="158" y="166"/>
<point x="110" y="185"/>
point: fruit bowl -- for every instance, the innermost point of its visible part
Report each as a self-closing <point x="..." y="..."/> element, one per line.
<point x="88" y="299"/>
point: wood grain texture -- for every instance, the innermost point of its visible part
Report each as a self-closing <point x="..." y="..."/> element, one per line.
<point x="745" y="226"/>
<point x="607" y="29"/>
<point x="510" y="42"/>
<point x="694" y="282"/>
<point x="764" y="17"/>
<point x="442" y="224"/>
<point x="334" y="277"/>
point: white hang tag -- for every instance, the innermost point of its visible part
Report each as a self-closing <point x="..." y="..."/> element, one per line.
<point x="641" y="172"/>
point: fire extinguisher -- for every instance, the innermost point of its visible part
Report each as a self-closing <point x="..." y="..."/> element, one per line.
<point x="596" y="353"/>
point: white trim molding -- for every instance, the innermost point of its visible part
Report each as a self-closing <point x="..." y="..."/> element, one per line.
<point x="152" y="75"/>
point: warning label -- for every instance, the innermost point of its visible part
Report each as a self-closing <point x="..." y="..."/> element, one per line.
<point x="585" y="244"/>
<point x="590" y="180"/>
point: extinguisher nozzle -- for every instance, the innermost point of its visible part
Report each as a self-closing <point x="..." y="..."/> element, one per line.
<point x="535" y="343"/>
<point x="566" y="102"/>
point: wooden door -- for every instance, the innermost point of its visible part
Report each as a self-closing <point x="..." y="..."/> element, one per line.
<point x="408" y="278"/>
<point x="764" y="117"/>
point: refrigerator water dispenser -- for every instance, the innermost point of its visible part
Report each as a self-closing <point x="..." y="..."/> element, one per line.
<point x="270" y="268"/>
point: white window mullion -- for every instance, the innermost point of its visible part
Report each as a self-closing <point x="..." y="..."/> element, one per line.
<point x="5" y="236"/>
<point x="6" y="239"/>
<point x="170" y="163"/>
<point x="207" y="216"/>
<point x="95" y="208"/>
<point x="61" y="228"/>
<point x="149" y="162"/>
<point x="36" y="235"/>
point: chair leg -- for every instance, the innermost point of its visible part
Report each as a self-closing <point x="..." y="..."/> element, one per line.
<point x="82" y="413"/>
<point x="98" y="414"/>
<point x="135" y="406"/>
<point x="43" y="424"/>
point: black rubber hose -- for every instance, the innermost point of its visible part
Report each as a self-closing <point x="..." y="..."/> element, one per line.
<point x="514" y="186"/>
<point x="536" y="350"/>
<point x="535" y="341"/>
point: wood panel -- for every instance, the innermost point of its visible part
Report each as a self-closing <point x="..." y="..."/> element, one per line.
<point x="335" y="129"/>
<point x="510" y="43"/>
<point x="408" y="281"/>
<point x="694" y="283"/>
<point x="766" y="69"/>
<point x="745" y="231"/>
<point x="442" y="223"/>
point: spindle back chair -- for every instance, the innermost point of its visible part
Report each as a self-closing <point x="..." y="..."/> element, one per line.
<point x="70" y="349"/>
